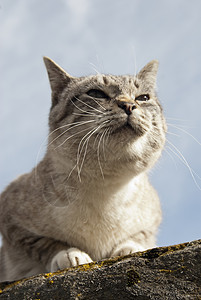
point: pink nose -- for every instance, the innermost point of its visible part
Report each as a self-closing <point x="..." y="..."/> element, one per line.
<point x="127" y="106"/>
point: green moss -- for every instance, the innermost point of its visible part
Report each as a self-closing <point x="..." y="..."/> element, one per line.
<point x="171" y="271"/>
<point x="7" y="285"/>
<point x="95" y="265"/>
<point x="47" y="275"/>
<point x="51" y="281"/>
<point x="157" y="252"/>
<point x="132" y="277"/>
<point x="166" y="271"/>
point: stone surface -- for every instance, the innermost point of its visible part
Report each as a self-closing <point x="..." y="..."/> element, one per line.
<point x="172" y="272"/>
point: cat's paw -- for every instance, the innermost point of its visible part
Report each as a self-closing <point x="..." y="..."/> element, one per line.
<point x="69" y="258"/>
<point x="126" y="248"/>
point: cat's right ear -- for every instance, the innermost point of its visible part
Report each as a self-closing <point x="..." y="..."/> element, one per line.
<point x="148" y="74"/>
<point x="57" y="76"/>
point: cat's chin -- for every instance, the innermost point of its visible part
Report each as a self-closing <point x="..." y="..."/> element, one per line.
<point x="129" y="130"/>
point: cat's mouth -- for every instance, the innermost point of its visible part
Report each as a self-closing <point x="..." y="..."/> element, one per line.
<point x="130" y="128"/>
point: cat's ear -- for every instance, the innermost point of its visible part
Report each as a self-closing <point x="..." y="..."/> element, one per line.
<point x="148" y="74"/>
<point x="57" y="76"/>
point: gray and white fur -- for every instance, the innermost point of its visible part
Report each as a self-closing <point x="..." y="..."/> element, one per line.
<point x="90" y="197"/>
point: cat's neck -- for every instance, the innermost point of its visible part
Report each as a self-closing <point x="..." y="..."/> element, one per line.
<point x="100" y="175"/>
<point x="87" y="185"/>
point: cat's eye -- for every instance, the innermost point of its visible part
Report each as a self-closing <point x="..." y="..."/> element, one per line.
<point x="95" y="93"/>
<point x="144" y="97"/>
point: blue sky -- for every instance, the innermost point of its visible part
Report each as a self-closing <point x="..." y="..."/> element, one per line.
<point x="119" y="37"/>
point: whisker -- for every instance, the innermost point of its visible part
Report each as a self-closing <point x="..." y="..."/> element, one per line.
<point x="172" y="133"/>
<point x="98" y="103"/>
<point x="85" y="152"/>
<point x="86" y="112"/>
<point x="87" y="138"/>
<point x="185" y="162"/>
<point x="78" y="124"/>
<point x="44" y="142"/>
<point x="175" y="119"/>
<point x="67" y="178"/>
<point x="94" y="68"/>
<point x="186" y="132"/>
<point x="179" y="125"/>
<point x="100" y="126"/>
<point x="104" y="141"/>
<point x="84" y="115"/>
<point x="90" y="106"/>
<point x="97" y="136"/>
<point x="79" y="152"/>
<point x="133" y="59"/>
<point x="71" y="137"/>
<point x="100" y="132"/>
<point x="98" y="154"/>
<point x="171" y="156"/>
<point x="109" y="132"/>
<point x="46" y="138"/>
<point x="105" y="131"/>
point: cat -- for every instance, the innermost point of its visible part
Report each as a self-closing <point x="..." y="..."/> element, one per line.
<point x="90" y="197"/>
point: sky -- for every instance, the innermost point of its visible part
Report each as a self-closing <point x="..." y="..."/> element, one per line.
<point x="116" y="37"/>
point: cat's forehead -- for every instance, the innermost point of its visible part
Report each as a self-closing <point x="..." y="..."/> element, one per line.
<point x="113" y="83"/>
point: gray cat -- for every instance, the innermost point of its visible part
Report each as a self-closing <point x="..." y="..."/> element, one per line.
<point x="89" y="198"/>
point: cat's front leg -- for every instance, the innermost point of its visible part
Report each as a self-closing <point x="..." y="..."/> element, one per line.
<point x="127" y="247"/>
<point x="69" y="258"/>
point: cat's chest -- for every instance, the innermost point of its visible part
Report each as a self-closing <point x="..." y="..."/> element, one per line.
<point x="100" y="223"/>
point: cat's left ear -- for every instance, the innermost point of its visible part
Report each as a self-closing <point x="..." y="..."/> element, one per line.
<point x="148" y="74"/>
<point x="57" y="76"/>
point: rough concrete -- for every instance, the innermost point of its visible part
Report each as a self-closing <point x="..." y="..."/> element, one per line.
<point x="172" y="272"/>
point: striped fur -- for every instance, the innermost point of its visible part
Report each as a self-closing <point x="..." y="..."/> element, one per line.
<point x="90" y="197"/>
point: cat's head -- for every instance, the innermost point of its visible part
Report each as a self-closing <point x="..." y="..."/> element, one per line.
<point x="105" y="119"/>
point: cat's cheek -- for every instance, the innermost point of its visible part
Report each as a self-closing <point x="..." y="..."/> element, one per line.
<point x="69" y="258"/>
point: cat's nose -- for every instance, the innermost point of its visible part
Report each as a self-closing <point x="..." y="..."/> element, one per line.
<point x="128" y="107"/>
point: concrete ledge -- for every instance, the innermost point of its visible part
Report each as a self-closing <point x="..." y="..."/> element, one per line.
<point x="172" y="272"/>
